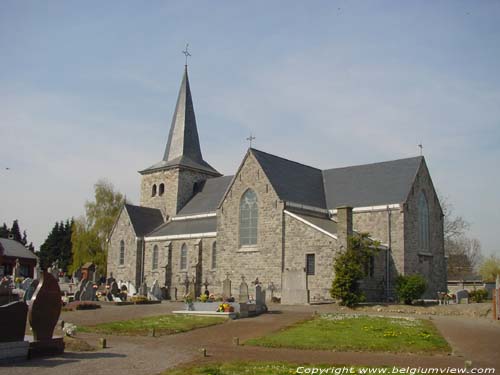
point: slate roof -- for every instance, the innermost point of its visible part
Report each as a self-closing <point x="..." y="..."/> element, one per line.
<point x="144" y="219"/>
<point x="292" y="181"/>
<point x="183" y="145"/>
<point x="322" y="222"/>
<point x="208" y="197"/>
<point x="12" y="248"/>
<point x="371" y="184"/>
<point x="191" y="226"/>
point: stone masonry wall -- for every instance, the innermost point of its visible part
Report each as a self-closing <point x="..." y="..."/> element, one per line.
<point x="430" y="263"/>
<point x="265" y="259"/>
<point x="376" y="223"/>
<point x="301" y="239"/>
<point x="179" y="183"/>
<point x="123" y="231"/>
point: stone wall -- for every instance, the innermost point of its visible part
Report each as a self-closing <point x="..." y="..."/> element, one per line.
<point x="265" y="259"/>
<point x="123" y="230"/>
<point x="179" y="184"/>
<point x="430" y="263"/>
<point x="301" y="239"/>
<point x="386" y="226"/>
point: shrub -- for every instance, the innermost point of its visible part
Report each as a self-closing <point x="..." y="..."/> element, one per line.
<point x="349" y="269"/>
<point x="478" y="295"/>
<point x="409" y="288"/>
<point x="139" y="300"/>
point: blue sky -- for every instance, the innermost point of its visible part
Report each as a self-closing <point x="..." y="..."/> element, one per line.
<point x="87" y="90"/>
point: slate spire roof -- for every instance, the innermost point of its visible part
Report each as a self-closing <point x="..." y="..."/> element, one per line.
<point x="183" y="145"/>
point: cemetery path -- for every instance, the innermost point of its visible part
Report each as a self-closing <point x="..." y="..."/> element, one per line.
<point x="475" y="339"/>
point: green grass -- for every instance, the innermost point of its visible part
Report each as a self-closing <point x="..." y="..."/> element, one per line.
<point x="163" y="325"/>
<point x="271" y="368"/>
<point x="358" y="333"/>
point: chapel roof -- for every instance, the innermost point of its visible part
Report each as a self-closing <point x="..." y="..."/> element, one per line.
<point x="14" y="249"/>
<point x="186" y="227"/>
<point x="371" y="184"/>
<point x="208" y="196"/>
<point x="183" y="145"/>
<point x="143" y="219"/>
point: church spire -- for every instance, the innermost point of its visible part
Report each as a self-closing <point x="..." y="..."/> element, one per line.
<point x="183" y="145"/>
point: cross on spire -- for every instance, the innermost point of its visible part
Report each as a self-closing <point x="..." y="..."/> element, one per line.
<point x="250" y="139"/>
<point x="186" y="53"/>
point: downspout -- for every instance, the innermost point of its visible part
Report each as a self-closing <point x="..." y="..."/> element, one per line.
<point x="388" y="254"/>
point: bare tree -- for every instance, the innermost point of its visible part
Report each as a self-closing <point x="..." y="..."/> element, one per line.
<point x="464" y="253"/>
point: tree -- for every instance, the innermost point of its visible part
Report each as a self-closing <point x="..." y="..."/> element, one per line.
<point x="4" y="231"/>
<point x="16" y="232"/>
<point x="90" y="233"/>
<point x="349" y="268"/>
<point x="57" y="246"/>
<point x="490" y="268"/>
<point x="464" y="253"/>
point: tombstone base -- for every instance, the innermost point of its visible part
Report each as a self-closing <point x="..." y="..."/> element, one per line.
<point x="14" y="351"/>
<point x="47" y="347"/>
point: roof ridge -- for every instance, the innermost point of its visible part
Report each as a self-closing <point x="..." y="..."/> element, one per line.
<point x="367" y="164"/>
<point x="282" y="158"/>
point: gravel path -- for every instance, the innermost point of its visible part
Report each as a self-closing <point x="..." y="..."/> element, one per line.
<point x="471" y="339"/>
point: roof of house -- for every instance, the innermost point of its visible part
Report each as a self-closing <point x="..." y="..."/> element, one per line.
<point x="324" y="223"/>
<point x="144" y="219"/>
<point x="12" y="248"/>
<point x="208" y="196"/>
<point x="190" y="226"/>
<point x="292" y="181"/>
<point x="370" y="184"/>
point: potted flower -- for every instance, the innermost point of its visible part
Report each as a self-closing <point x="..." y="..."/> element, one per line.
<point x="188" y="300"/>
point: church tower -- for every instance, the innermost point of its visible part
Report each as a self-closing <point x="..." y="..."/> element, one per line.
<point x="170" y="183"/>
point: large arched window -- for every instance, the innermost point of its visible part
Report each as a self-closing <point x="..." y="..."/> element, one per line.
<point x="423" y="222"/>
<point x="249" y="213"/>
<point x="214" y="255"/>
<point x="122" y="252"/>
<point x="153" y="190"/>
<point x="184" y="254"/>
<point x="161" y="189"/>
<point x="155" y="257"/>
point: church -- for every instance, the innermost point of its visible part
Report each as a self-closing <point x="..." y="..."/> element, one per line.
<point x="275" y="221"/>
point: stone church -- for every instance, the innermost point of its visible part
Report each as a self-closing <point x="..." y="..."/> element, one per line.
<point x="275" y="220"/>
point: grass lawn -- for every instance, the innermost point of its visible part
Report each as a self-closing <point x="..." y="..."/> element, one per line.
<point x="238" y="368"/>
<point x="359" y="333"/>
<point x="163" y="325"/>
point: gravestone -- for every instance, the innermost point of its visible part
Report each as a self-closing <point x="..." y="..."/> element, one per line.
<point x="131" y="291"/>
<point x="43" y="315"/>
<point x="30" y="291"/>
<point x="260" y="296"/>
<point x="226" y="287"/>
<point x="16" y="272"/>
<point x="462" y="296"/>
<point x="114" y="290"/>
<point x="270" y="292"/>
<point x="37" y="272"/>
<point x="26" y="284"/>
<point x="243" y="297"/>
<point x="87" y="292"/>
<point x="496" y="300"/>
<point x="294" y="291"/>
<point x="155" y="293"/>
<point x="12" y="327"/>
<point x="143" y="289"/>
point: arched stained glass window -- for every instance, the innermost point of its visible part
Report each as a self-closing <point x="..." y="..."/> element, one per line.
<point x="249" y="212"/>
<point x="155" y="257"/>
<point x="214" y="255"/>
<point x="423" y="222"/>
<point x="122" y="253"/>
<point x="184" y="251"/>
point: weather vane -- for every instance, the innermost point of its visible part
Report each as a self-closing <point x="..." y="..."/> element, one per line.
<point x="250" y="139"/>
<point x="186" y="53"/>
<point x="421" y="146"/>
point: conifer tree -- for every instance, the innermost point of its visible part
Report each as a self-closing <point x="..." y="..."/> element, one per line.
<point x="16" y="232"/>
<point x="4" y="231"/>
